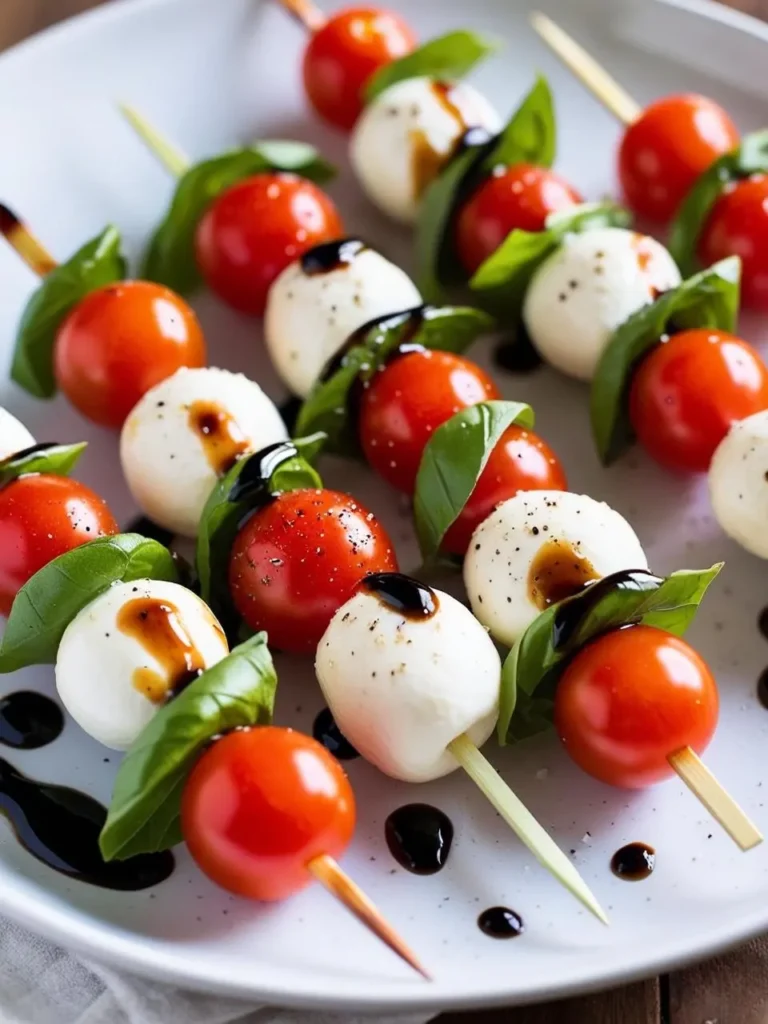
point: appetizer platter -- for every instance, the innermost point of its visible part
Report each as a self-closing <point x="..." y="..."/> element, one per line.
<point x="383" y="461"/>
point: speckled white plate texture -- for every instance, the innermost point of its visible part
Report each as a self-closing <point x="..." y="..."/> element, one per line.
<point x="212" y="74"/>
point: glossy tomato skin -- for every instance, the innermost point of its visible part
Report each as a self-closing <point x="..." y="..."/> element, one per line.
<point x="521" y="196"/>
<point x="343" y="54"/>
<point x="298" y="559"/>
<point x="259" y="805"/>
<point x="253" y="230"/>
<point x="407" y="401"/>
<point x="689" y="390"/>
<point x="521" y="461"/>
<point x="630" y="699"/>
<point x="41" y="517"/>
<point x="670" y="145"/>
<point x="738" y="226"/>
<point x="119" y="342"/>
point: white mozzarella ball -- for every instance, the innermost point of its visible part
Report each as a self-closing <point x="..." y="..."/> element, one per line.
<point x="311" y="314"/>
<point x="404" y="138"/>
<point x="537" y="548"/>
<point x="738" y="483"/>
<point x="402" y="689"/>
<point x="14" y="436"/>
<point x="122" y="655"/>
<point x="185" y="433"/>
<point x="584" y="291"/>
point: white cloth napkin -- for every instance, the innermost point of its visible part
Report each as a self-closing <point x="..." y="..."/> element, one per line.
<point x="43" y="984"/>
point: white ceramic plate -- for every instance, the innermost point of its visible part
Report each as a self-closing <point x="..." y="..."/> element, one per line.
<point x="213" y="74"/>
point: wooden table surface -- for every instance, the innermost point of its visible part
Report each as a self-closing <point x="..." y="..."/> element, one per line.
<point x="732" y="989"/>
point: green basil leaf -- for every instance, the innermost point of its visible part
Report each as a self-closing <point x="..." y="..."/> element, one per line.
<point x="534" y="664"/>
<point x="530" y="136"/>
<point x="238" y="691"/>
<point x="450" y="56"/>
<point x="97" y="263"/>
<point x="56" y="459"/>
<point x="708" y="299"/>
<point x="50" y="600"/>
<point x="326" y="409"/>
<point x="171" y="255"/>
<point x="503" y="279"/>
<point x="751" y="157"/>
<point x="452" y="462"/>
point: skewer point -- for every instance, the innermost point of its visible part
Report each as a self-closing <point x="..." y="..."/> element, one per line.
<point x="20" y="238"/>
<point x="305" y="12"/>
<point x="176" y="162"/>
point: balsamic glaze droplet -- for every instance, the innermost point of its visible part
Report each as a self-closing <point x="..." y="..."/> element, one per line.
<point x="149" y="529"/>
<point x="762" y="622"/>
<point x="329" y="256"/>
<point x="569" y="617"/>
<point x="413" y="600"/>
<point x="252" y="485"/>
<point x="60" y="827"/>
<point x="634" y="862"/>
<point x="29" y="720"/>
<point x="419" y="837"/>
<point x="762" y="688"/>
<point x="35" y="449"/>
<point x="410" y="319"/>
<point x="517" y="355"/>
<point x="326" y="731"/>
<point x="500" y="923"/>
<point x="289" y="411"/>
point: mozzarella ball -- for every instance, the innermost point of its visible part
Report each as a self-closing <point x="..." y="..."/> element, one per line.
<point x="405" y="137"/>
<point x="124" y="654"/>
<point x="402" y="689"/>
<point x="738" y="483"/>
<point x="584" y="291"/>
<point x="539" y="547"/>
<point x="186" y="433"/>
<point x="311" y="314"/>
<point x="14" y="436"/>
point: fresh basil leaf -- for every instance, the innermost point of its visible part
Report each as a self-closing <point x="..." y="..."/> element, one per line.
<point x="171" y="255"/>
<point x="503" y="279"/>
<point x="238" y="691"/>
<point x="326" y="409"/>
<point x="530" y="136"/>
<point x="50" y="600"/>
<point x="99" y="262"/>
<point x="56" y="459"/>
<point x="450" y="57"/>
<point x="708" y="299"/>
<point x="534" y="664"/>
<point x="452" y="462"/>
<point x="751" y="157"/>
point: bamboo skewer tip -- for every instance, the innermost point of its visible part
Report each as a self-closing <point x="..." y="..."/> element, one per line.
<point x="21" y="239"/>
<point x="307" y="13"/>
<point x="172" y="158"/>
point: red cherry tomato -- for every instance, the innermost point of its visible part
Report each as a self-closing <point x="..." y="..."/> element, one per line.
<point x="259" y="805"/>
<point x="297" y="560"/>
<point x="630" y="699"/>
<point x="521" y="461"/>
<point x="253" y="230"/>
<point x="119" y="342"/>
<point x="41" y="517"/>
<point x="343" y="54"/>
<point x="663" y="153"/>
<point x="409" y="399"/>
<point x="522" y="196"/>
<point x="738" y="226"/>
<point x="689" y="390"/>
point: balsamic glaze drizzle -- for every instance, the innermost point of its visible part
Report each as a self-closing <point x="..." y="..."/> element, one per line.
<point x="29" y="720"/>
<point x="252" y="485"/>
<point x="419" y="837"/>
<point x="634" y="862"/>
<point x="34" y="449"/>
<point x="500" y="923"/>
<point x="326" y="731"/>
<point x="412" y="319"/>
<point x="329" y="256"/>
<point x="408" y="597"/>
<point x="569" y="617"/>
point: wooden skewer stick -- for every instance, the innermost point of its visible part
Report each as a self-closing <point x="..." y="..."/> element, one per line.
<point x="310" y="16"/>
<point x="721" y="805"/>
<point x="587" y="70"/>
<point x="20" y="238"/>
<point x="339" y="884"/>
<point x="523" y="823"/>
<point x="173" y="159"/>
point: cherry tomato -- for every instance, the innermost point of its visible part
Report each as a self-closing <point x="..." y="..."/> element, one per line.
<point x="297" y="560"/>
<point x="689" y="390"/>
<point x="521" y="461"/>
<point x="409" y="399"/>
<point x="521" y="196"/>
<point x="630" y="699"/>
<point x="253" y="230"/>
<point x="259" y="805"/>
<point x="119" y="342"/>
<point x="343" y="54"/>
<point x="738" y="226"/>
<point x="41" y="517"/>
<point x="662" y="154"/>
